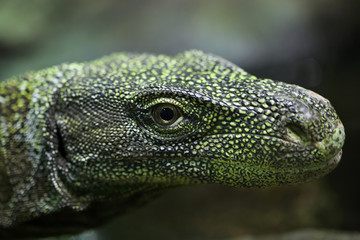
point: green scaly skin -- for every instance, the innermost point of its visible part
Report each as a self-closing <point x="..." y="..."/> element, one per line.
<point x="83" y="142"/>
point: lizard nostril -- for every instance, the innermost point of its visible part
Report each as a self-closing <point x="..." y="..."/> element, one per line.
<point x="295" y="133"/>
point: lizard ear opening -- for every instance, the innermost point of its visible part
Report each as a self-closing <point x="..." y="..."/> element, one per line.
<point x="61" y="146"/>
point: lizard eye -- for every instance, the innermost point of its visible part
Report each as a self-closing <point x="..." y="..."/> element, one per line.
<point x="168" y="118"/>
<point x="166" y="114"/>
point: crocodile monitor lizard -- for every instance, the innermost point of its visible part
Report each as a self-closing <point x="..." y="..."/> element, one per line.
<point x="83" y="142"/>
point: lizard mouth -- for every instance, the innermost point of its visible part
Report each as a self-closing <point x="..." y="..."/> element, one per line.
<point x="328" y="154"/>
<point x="308" y="174"/>
<point x="293" y="176"/>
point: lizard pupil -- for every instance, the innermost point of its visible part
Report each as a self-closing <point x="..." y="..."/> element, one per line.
<point x="166" y="114"/>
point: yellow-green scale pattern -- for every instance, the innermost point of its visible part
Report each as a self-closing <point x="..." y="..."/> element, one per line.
<point x="83" y="142"/>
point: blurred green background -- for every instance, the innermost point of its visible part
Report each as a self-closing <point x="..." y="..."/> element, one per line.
<point x="315" y="44"/>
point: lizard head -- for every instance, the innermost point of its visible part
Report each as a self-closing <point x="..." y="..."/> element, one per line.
<point x="193" y="118"/>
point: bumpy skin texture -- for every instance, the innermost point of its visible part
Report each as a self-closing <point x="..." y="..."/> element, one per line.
<point x="82" y="142"/>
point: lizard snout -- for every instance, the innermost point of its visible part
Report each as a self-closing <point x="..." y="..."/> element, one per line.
<point x="314" y="122"/>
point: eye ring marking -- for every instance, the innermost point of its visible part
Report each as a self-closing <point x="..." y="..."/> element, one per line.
<point x="166" y="114"/>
